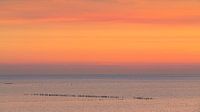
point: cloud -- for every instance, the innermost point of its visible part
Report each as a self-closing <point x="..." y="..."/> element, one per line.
<point x="138" y="11"/>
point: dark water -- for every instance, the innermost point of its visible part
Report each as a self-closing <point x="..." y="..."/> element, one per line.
<point x="100" y="76"/>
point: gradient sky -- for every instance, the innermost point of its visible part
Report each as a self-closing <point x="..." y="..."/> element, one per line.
<point x="100" y="32"/>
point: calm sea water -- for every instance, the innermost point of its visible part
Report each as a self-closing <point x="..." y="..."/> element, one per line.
<point x="156" y="86"/>
<point x="101" y="76"/>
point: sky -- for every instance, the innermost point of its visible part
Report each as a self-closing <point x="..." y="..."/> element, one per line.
<point x="99" y="32"/>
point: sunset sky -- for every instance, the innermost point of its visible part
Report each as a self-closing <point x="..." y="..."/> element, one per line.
<point x="99" y="32"/>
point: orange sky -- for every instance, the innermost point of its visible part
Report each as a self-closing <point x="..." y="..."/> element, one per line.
<point x="99" y="31"/>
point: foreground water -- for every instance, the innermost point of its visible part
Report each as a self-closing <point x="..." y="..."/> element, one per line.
<point x="168" y="93"/>
<point x="117" y="85"/>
